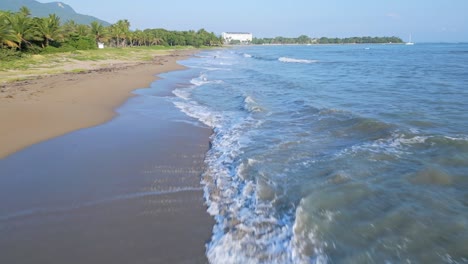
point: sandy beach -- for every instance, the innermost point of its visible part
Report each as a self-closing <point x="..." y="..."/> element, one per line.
<point x="123" y="191"/>
<point x="48" y="106"/>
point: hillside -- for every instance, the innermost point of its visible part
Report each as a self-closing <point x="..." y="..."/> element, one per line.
<point x="64" y="11"/>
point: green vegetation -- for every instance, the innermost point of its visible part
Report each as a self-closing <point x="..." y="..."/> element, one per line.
<point x="55" y="57"/>
<point x="76" y="61"/>
<point x="307" y="40"/>
<point x="22" y="35"/>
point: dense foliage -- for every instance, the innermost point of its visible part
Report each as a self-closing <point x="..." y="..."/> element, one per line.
<point x="20" y="33"/>
<point x="307" y="40"/>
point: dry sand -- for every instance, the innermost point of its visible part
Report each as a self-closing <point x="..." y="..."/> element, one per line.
<point x="49" y="106"/>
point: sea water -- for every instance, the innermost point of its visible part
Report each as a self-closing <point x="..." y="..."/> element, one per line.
<point x="334" y="154"/>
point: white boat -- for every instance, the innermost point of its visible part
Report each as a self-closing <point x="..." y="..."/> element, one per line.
<point x="409" y="42"/>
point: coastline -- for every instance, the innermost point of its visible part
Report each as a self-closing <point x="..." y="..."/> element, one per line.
<point x="48" y="106"/>
<point x="126" y="191"/>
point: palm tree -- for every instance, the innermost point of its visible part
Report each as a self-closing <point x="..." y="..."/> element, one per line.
<point x="49" y="29"/>
<point x="21" y="27"/>
<point x="82" y="30"/>
<point x="120" y="31"/>
<point x="69" y="28"/>
<point x="7" y="37"/>
<point x="114" y="33"/>
<point x="131" y="36"/>
<point x="25" y="11"/>
<point x="98" y="31"/>
<point x="156" y="41"/>
<point x="138" y="37"/>
<point x="125" y="30"/>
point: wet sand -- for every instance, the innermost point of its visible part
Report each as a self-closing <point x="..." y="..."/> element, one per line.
<point x="127" y="191"/>
<point x="49" y="106"/>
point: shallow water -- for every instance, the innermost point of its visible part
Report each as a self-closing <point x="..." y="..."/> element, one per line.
<point x="324" y="154"/>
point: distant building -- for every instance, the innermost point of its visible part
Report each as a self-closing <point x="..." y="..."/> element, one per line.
<point x="241" y="37"/>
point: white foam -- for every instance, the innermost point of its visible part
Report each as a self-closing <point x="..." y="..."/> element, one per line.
<point x="184" y="93"/>
<point x="459" y="138"/>
<point x="292" y="60"/>
<point x="304" y="239"/>
<point x="209" y="68"/>
<point x="199" y="112"/>
<point x="199" y="81"/>
<point x="397" y="144"/>
<point x="246" y="55"/>
<point x="400" y="140"/>
<point x="251" y="105"/>
<point x="248" y="229"/>
<point x="203" y="79"/>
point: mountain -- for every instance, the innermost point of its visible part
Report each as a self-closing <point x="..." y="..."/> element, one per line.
<point x="64" y="11"/>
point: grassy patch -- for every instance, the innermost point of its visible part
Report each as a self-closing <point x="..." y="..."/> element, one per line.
<point x="78" y="70"/>
<point x="57" y="62"/>
<point x="45" y="60"/>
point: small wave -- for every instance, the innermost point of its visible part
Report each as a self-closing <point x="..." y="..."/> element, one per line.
<point x="202" y="56"/>
<point x="183" y="93"/>
<point x="401" y="140"/>
<point x="292" y="60"/>
<point x="199" y="112"/>
<point x="306" y="245"/>
<point x="202" y="80"/>
<point x="251" y="105"/>
<point x="400" y="143"/>
<point x="395" y="145"/>
<point x="247" y="229"/>
<point x="246" y="55"/>
<point x="208" y="68"/>
<point x="199" y="81"/>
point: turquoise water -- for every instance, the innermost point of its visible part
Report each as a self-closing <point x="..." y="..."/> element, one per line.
<point x="334" y="154"/>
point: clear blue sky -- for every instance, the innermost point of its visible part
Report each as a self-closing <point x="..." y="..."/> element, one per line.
<point x="426" y="20"/>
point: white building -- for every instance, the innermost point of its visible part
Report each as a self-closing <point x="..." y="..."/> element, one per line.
<point x="240" y="36"/>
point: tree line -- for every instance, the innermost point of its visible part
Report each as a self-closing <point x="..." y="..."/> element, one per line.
<point x="303" y="39"/>
<point x="21" y="33"/>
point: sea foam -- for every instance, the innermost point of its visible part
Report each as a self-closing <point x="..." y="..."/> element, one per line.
<point x="247" y="229"/>
<point x="298" y="155"/>
<point x="202" y="80"/>
<point x="292" y="60"/>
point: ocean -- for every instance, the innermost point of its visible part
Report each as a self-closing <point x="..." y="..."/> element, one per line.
<point x="333" y="153"/>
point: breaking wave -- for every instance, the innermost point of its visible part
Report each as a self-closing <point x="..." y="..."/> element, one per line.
<point x="292" y="60"/>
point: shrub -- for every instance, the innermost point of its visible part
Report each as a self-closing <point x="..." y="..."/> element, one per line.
<point x="81" y="43"/>
<point x="9" y="54"/>
<point x="51" y="50"/>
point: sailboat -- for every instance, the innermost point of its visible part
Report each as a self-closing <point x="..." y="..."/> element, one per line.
<point x="409" y="42"/>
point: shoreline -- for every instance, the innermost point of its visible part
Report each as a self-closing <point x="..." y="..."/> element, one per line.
<point x="45" y="107"/>
<point x="126" y="191"/>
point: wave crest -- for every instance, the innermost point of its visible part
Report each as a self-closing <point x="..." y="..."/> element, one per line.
<point x="293" y="60"/>
<point x="202" y="80"/>
<point x="251" y="105"/>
